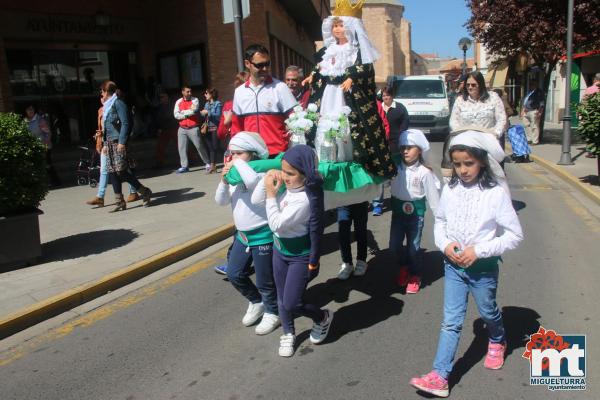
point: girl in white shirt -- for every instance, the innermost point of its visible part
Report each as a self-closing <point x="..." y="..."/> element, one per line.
<point x="296" y="219"/>
<point x="414" y="183"/>
<point x="254" y="240"/>
<point x="475" y="223"/>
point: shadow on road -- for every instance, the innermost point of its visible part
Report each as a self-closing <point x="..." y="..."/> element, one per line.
<point x="519" y="323"/>
<point x="518" y="205"/>
<point x="174" y="196"/>
<point x="86" y="244"/>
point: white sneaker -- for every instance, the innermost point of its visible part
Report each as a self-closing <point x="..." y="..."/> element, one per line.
<point x="319" y="331"/>
<point x="361" y="268"/>
<point x="207" y="167"/>
<point x="345" y="271"/>
<point x="286" y="345"/>
<point x="268" y="324"/>
<point x="254" y="312"/>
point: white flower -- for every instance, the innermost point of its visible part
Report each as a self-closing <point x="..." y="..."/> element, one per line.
<point x="312" y="107"/>
<point x="298" y="108"/>
<point x="302" y="114"/>
<point x="346" y="110"/>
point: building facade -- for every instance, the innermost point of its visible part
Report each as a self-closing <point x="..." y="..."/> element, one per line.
<point x="56" y="54"/>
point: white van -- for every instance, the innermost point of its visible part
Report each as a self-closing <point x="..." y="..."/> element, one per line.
<point x="426" y="100"/>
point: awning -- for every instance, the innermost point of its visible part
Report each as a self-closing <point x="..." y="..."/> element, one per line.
<point x="498" y="78"/>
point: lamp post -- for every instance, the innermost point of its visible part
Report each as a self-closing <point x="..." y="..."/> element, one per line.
<point x="464" y="44"/>
<point x="565" y="157"/>
<point x="237" y="23"/>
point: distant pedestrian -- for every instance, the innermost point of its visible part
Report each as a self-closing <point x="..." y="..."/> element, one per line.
<point x="187" y="112"/>
<point x="253" y="242"/>
<point x="414" y="184"/>
<point x="116" y="122"/>
<point x="531" y="112"/>
<point x="166" y="128"/>
<point x="475" y="224"/>
<point x="39" y="127"/>
<point x="293" y="79"/>
<point x="263" y="103"/>
<point x="98" y="200"/>
<point x="475" y="108"/>
<point x="296" y="219"/>
<point x="212" y="113"/>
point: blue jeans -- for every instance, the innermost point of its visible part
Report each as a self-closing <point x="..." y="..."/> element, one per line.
<point x="411" y="228"/>
<point x="104" y="177"/>
<point x="378" y="202"/>
<point x="239" y="271"/>
<point x="359" y="213"/>
<point x="457" y="285"/>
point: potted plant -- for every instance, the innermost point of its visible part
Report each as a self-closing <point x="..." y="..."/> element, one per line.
<point x="23" y="185"/>
<point x="588" y="112"/>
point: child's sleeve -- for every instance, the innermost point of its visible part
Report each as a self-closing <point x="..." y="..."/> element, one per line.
<point x="222" y="196"/>
<point x="291" y="215"/>
<point x="249" y="176"/>
<point x="260" y="193"/>
<point x="431" y="186"/>
<point x="512" y="234"/>
<point x="439" y="225"/>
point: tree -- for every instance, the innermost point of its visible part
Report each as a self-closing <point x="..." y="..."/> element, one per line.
<point x="509" y="28"/>
<point x="588" y="112"/>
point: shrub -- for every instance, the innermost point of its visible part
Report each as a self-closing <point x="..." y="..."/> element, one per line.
<point x="23" y="180"/>
<point x="588" y="112"/>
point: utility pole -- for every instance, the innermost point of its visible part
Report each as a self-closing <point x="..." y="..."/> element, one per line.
<point x="565" y="157"/>
<point x="237" y="23"/>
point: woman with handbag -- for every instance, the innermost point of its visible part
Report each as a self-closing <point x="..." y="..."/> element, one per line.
<point x="212" y="114"/>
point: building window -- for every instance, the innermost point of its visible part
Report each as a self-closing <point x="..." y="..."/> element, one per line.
<point x="282" y="56"/>
<point x="183" y="66"/>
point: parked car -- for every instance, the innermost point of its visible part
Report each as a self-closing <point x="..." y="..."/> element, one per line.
<point x="426" y="99"/>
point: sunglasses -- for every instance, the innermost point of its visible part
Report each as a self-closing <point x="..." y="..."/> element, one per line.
<point x="472" y="85"/>
<point x="261" y="65"/>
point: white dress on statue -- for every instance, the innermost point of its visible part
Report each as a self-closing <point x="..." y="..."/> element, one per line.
<point x="334" y="63"/>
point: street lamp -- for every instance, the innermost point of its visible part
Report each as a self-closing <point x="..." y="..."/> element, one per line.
<point x="464" y="44"/>
<point x="565" y="157"/>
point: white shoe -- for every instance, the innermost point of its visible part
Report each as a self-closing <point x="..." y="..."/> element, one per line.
<point x="268" y="324"/>
<point x="361" y="268"/>
<point x="254" y="312"/>
<point x="345" y="271"/>
<point x="207" y="167"/>
<point x="286" y="345"/>
<point x="319" y="331"/>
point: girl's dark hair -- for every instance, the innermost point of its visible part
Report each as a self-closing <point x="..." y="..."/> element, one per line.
<point x="483" y="93"/>
<point x="214" y="93"/>
<point x="387" y="90"/>
<point x="486" y="178"/>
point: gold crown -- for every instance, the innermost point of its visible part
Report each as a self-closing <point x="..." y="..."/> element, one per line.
<point x="345" y="8"/>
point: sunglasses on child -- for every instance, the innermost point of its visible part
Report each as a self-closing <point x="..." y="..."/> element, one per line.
<point x="261" y="65"/>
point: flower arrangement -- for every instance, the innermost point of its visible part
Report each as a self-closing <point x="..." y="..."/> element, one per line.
<point x="301" y="121"/>
<point x="336" y="125"/>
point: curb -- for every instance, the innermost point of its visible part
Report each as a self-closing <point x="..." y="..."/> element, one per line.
<point x="71" y="298"/>
<point x="591" y="194"/>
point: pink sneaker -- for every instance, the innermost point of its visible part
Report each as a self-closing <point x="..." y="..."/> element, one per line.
<point x="403" y="275"/>
<point x="495" y="356"/>
<point x="414" y="284"/>
<point x="431" y="383"/>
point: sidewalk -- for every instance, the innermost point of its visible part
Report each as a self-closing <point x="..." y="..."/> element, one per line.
<point x="81" y="244"/>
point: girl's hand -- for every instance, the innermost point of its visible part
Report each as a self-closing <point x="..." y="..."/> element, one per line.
<point x="225" y="171"/>
<point x="346" y="85"/>
<point x="104" y="150"/>
<point x="455" y="257"/>
<point x="308" y="80"/>
<point x="204" y="112"/>
<point x="273" y="182"/>
<point x="468" y="257"/>
<point x="121" y="148"/>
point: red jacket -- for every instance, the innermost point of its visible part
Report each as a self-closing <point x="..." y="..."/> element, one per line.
<point x="223" y="131"/>
<point x="186" y="112"/>
<point x="386" y="124"/>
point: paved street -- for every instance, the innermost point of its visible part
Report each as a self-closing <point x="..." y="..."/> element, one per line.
<point x="181" y="337"/>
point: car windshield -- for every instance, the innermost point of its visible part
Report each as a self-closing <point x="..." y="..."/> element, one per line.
<point x="419" y="89"/>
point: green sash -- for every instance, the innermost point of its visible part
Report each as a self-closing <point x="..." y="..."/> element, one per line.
<point x="483" y="265"/>
<point x="298" y="246"/>
<point x="256" y="237"/>
<point x="409" y="208"/>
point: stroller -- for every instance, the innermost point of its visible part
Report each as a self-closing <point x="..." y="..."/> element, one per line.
<point x="88" y="167"/>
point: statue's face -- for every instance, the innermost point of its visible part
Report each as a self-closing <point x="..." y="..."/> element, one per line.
<point x="338" y="31"/>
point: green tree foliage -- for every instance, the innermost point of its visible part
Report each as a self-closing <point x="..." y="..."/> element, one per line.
<point x="23" y="180"/>
<point x="588" y="112"/>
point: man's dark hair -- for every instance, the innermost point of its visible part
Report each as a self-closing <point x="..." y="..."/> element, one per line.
<point x="109" y="86"/>
<point x="483" y="93"/>
<point x="253" y="49"/>
<point x="185" y="86"/>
